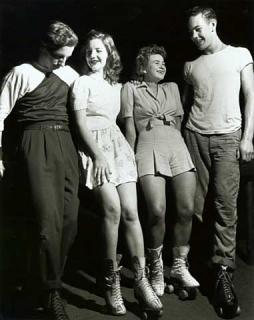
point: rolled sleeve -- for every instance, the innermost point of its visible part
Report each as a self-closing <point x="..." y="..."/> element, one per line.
<point x="245" y="58"/>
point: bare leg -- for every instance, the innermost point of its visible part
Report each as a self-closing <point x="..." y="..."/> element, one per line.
<point x="184" y="187"/>
<point x="155" y="196"/>
<point x="130" y="219"/>
<point x="143" y="291"/>
<point x="109" y="199"/>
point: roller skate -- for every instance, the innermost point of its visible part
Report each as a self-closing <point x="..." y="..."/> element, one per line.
<point x="155" y="266"/>
<point x="56" y="307"/>
<point x="151" y="306"/>
<point x="181" y="282"/>
<point x="225" y="299"/>
<point x="112" y="292"/>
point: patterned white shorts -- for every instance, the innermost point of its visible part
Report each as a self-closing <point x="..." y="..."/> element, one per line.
<point x="118" y="153"/>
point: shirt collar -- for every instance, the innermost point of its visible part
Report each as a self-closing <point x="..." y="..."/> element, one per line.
<point x="142" y="85"/>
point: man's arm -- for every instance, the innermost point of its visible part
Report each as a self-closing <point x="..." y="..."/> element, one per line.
<point x="246" y="144"/>
<point x="187" y="97"/>
<point x="1" y="163"/>
<point x="10" y="90"/>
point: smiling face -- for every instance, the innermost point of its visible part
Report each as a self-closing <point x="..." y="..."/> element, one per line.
<point x="202" y="31"/>
<point x="96" y="55"/>
<point x="155" y="69"/>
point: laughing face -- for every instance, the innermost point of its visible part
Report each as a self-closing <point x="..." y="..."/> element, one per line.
<point x="96" y="55"/>
<point x="201" y="31"/>
<point x="155" y="70"/>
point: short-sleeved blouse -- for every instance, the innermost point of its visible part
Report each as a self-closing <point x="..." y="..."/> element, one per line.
<point x="140" y="102"/>
<point x="100" y="99"/>
<point x="102" y="104"/>
<point x="160" y="147"/>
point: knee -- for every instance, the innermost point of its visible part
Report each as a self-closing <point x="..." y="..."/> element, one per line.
<point x="129" y="215"/>
<point x="112" y="214"/>
<point x="71" y="219"/>
<point x="157" y="214"/>
<point x="185" y="212"/>
<point x="71" y="228"/>
<point x="44" y="240"/>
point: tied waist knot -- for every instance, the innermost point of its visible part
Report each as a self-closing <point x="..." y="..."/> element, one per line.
<point x="161" y="120"/>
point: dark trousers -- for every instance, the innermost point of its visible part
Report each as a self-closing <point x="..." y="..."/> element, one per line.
<point x="49" y="176"/>
<point x="215" y="158"/>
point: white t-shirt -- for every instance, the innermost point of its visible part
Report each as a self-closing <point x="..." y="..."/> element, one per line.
<point x="216" y="80"/>
<point x="100" y="99"/>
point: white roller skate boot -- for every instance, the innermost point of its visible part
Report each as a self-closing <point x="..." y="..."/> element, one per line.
<point x="112" y="289"/>
<point x="151" y="306"/>
<point x="155" y="266"/>
<point x="181" y="281"/>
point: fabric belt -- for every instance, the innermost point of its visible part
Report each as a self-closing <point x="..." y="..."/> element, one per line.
<point x="55" y="127"/>
<point x="154" y="122"/>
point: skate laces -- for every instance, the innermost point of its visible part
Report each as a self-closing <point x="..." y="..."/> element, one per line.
<point x="113" y="283"/>
<point x="116" y="292"/>
<point x="181" y="268"/>
<point x="145" y="288"/>
<point x="156" y="267"/>
<point x="156" y="275"/>
<point x="56" y="306"/>
<point x="225" y="280"/>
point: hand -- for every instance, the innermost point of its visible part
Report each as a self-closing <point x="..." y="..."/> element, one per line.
<point x="135" y="82"/>
<point x="2" y="168"/>
<point x="1" y="163"/>
<point x="101" y="170"/>
<point x="246" y="151"/>
<point x="160" y="116"/>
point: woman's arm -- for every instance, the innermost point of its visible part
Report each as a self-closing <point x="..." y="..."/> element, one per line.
<point x="127" y="105"/>
<point x="130" y="132"/>
<point x="179" y="122"/>
<point x="101" y="167"/>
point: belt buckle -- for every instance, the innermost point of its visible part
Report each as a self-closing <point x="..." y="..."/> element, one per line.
<point x="57" y="127"/>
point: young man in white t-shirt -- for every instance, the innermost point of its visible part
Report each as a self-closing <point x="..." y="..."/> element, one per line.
<point x="217" y="139"/>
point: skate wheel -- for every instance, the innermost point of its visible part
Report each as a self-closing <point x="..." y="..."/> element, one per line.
<point x="192" y="293"/>
<point x="183" y="294"/>
<point x="151" y="315"/>
<point x="228" y="313"/>
<point x="220" y="312"/>
<point x="238" y="311"/>
<point x="144" y="316"/>
<point x="169" y="288"/>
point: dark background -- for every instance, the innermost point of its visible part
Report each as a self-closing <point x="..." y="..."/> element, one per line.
<point x="132" y="23"/>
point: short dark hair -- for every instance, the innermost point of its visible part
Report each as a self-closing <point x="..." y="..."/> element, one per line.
<point x="59" y="35"/>
<point x="143" y="57"/>
<point x="207" y="12"/>
<point x="113" y="65"/>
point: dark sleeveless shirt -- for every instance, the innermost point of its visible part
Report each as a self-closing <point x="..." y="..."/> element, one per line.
<point x="47" y="102"/>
